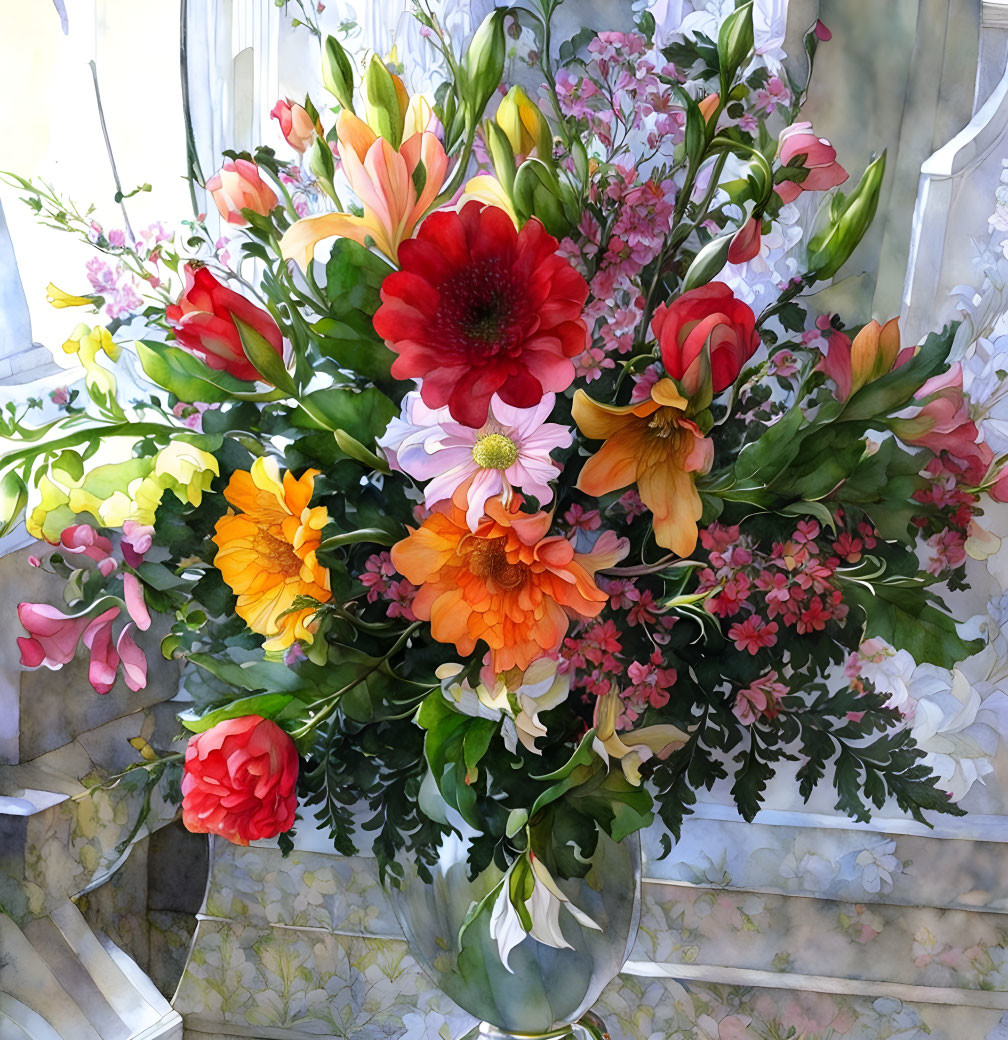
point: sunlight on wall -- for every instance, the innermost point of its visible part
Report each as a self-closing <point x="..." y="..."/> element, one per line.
<point x="49" y="128"/>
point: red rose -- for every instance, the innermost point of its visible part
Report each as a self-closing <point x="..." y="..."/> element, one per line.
<point x="480" y="308"/>
<point x="239" y="780"/>
<point x="203" y="320"/>
<point x="705" y="325"/>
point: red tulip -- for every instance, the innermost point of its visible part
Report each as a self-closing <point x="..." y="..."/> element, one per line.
<point x="204" y="324"/>
<point x="705" y="329"/>
<point x="239" y="780"/>
<point x="237" y="186"/>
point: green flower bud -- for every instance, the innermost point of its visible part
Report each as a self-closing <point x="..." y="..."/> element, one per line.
<point x="483" y="63"/>
<point x="830" y="249"/>
<point x="337" y="72"/>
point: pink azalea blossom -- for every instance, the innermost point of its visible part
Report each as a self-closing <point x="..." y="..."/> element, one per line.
<point x="760" y="699"/>
<point x="135" y="602"/>
<point x="510" y="450"/>
<point x="134" y="662"/>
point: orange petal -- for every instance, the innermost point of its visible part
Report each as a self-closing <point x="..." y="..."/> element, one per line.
<point x="615" y="464"/>
<point x="669" y="492"/>
<point x="300" y="239"/>
<point x="353" y="132"/>
<point x="600" y="421"/>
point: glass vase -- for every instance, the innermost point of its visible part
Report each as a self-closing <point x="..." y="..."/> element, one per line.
<point x="547" y="993"/>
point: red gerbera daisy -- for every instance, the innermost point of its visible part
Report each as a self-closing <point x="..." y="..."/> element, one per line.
<point x="480" y="308"/>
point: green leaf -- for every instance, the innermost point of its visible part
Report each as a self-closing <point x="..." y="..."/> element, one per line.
<point x="576" y="770"/>
<point x="708" y="263"/>
<point x="363" y="414"/>
<point x="185" y="376"/>
<point x="268" y="705"/>
<point x="158" y="576"/>
<point x="264" y="358"/>
<point x="769" y="454"/>
<point x="904" y="617"/>
<point x="352" y="343"/>
<point x="13" y="499"/>
<point x="251" y="675"/>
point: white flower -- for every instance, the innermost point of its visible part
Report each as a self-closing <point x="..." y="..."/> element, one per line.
<point x="878" y="864"/>
<point x="769" y="23"/>
<point x="542" y="906"/>
<point x="889" y="671"/>
<point x="539" y="689"/>
<point x="986" y="384"/>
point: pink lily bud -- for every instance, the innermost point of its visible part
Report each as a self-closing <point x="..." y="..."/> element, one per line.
<point x="296" y="125"/>
<point x="821" y="32"/>
<point x="745" y="243"/>
<point x="817" y="155"/>
<point x="237" y="186"/>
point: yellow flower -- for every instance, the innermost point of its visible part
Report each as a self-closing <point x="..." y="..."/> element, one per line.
<point x="87" y="344"/>
<point x="487" y="189"/>
<point x="523" y="124"/>
<point x="111" y="493"/>
<point x="58" y="298"/>
<point x="632" y="747"/>
<point x="185" y="470"/>
<point x="266" y="551"/>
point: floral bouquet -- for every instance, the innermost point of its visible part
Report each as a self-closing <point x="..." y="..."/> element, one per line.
<point x="484" y="486"/>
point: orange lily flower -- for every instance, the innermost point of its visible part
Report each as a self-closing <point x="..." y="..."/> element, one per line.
<point x="655" y="446"/>
<point x="385" y="181"/>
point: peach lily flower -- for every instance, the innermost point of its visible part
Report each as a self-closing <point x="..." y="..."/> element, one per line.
<point x="655" y="446"/>
<point x="385" y="181"/>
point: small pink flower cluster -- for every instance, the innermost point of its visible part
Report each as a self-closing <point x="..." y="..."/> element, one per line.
<point x="793" y="583"/>
<point x="621" y="95"/>
<point x="650" y="688"/>
<point x="593" y="658"/>
<point x="53" y="636"/>
<point x="956" y="509"/>
<point x="760" y="699"/>
<point x="380" y="579"/>
<point x="115" y="285"/>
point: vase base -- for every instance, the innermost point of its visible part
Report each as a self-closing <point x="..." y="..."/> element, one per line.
<point x="589" y="1027"/>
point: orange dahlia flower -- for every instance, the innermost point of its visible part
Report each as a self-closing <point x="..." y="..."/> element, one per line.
<point x="266" y="551"/>
<point x="655" y="446"/>
<point x="507" y="583"/>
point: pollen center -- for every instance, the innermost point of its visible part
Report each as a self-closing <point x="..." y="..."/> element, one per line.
<point x="487" y="559"/>
<point x="275" y="554"/>
<point x="495" y="451"/>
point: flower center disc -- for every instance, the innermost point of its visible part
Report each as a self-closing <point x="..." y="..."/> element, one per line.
<point x="495" y="451"/>
<point x="488" y="560"/>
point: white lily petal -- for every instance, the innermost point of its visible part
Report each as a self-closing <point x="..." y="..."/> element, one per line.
<point x="505" y="926"/>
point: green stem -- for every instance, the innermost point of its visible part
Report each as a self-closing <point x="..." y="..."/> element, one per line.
<point x="330" y="703"/>
<point x="118" y="430"/>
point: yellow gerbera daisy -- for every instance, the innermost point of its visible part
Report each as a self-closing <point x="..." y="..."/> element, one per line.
<point x="267" y="551"/>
